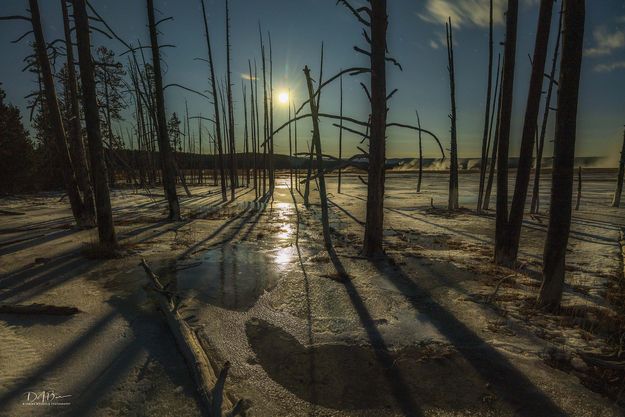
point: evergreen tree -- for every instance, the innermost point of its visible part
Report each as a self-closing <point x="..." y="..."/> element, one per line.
<point x="16" y="150"/>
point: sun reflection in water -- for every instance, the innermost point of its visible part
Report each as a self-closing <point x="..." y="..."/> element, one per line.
<point x="284" y="257"/>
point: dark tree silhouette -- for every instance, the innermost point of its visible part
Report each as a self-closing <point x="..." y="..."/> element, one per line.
<point x="508" y="243"/>
<point x="15" y="173"/>
<point x="616" y="201"/>
<point x="76" y="143"/>
<point x="543" y="130"/>
<point x="487" y="116"/>
<point x="374" y="225"/>
<point x="494" y="136"/>
<point x="505" y="117"/>
<point x="82" y="216"/>
<point x="214" y="93"/>
<point x="554" y="258"/>
<point x="420" y="154"/>
<point x="104" y="213"/>
<point x="167" y="160"/>
<point x="340" y="132"/>
<point x="231" y="141"/>
<point x="452" y="203"/>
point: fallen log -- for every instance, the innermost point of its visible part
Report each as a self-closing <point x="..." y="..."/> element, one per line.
<point x="210" y="386"/>
<point x="38" y="309"/>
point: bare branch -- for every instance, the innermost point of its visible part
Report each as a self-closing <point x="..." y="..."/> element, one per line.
<point x="164" y="20"/>
<point x="22" y="37"/>
<point x="185" y="88"/>
<point x="355" y="12"/>
<point x="405" y="126"/>
<point x="15" y="17"/>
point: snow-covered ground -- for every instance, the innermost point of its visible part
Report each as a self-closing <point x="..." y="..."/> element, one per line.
<point x="418" y="332"/>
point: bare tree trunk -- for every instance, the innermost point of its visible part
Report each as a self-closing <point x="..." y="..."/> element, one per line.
<point x="554" y="258"/>
<point x="265" y="113"/>
<point x="311" y="152"/>
<point x="213" y="83"/>
<point x="340" y="133"/>
<point x="510" y="247"/>
<point x="579" y="188"/>
<point x="81" y="215"/>
<point x="452" y="203"/>
<point x="314" y="111"/>
<point x="104" y="213"/>
<point x="290" y="143"/>
<point x="295" y="146"/>
<point x="253" y="126"/>
<point x="420" y="154"/>
<point x="495" y="141"/>
<point x="507" y="91"/>
<point x="233" y="165"/>
<point x="247" y="139"/>
<point x="534" y="207"/>
<point x="272" y="168"/>
<point x="484" y="160"/>
<point x="76" y="144"/>
<point x="167" y="161"/>
<point x="374" y="225"/>
<point x="616" y="202"/>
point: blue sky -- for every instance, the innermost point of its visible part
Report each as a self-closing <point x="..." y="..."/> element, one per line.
<point x="416" y="30"/>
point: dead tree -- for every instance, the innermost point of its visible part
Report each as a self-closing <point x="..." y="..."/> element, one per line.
<point x="312" y="149"/>
<point x="554" y="258"/>
<point x="325" y="221"/>
<point x="534" y="207"/>
<point x="106" y="231"/>
<point x="253" y="108"/>
<point x="233" y="165"/>
<point x="265" y="111"/>
<point x="420" y="153"/>
<point x="340" y="132"/>
<point x="616" y="202"/>
<point x="76" y="144"/>
<point x="167" y="160"/>
<point x="290" y="144"/>
<point x="246" y="138"/>
<point x="295" y="148"/>
<point x="507" y="244"/>
<point x="272" y="167"/>
<point x="374" y="225"/>
<point x="452" y="203"/>
<point x="83" y="217"/>
<point x="214" y="93"/>
<point x="579" y="188"/>
<point x="495" y="138"/>
<point x="487" y="116"/>
<point x="507" y="91"/>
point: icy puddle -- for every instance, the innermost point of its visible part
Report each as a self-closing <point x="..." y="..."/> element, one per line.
<point x="232" y="276"/>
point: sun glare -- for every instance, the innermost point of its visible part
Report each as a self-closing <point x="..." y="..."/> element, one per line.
<point x="283" y="97"/>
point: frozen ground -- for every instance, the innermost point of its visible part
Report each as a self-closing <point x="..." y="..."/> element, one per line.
<point x="419" y="332"/>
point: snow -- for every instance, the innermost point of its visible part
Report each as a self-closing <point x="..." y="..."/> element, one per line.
<point x="416" y="332"/>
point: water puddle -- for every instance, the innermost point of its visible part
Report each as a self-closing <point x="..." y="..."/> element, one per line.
<point x="233" y="276"/>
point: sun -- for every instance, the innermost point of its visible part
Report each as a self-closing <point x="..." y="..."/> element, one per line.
<point x="283" y="97"/>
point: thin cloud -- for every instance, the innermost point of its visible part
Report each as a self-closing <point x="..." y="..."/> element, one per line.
<point x="613" y="66"/>
<point x="248" y="77"/>
<point x="463" y="12"/>
<point x="467" y="13"/>
<point x="605" y="42"/>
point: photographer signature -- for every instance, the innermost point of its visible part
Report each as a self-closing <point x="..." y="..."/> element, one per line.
<point x="45" y="397"/>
